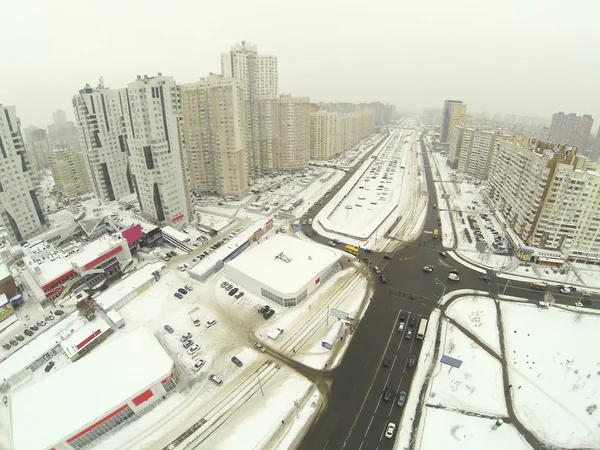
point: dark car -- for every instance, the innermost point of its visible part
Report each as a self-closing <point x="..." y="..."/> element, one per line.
<point x="383" y="278"/>
<point x="172" y="254"/>
<point x="401" y="398"/>
<point x="233" y="291"/>
<point x="264" y="309"/>
<point x="402" y="315"/>
<point x="34" y="328"/>
<point x="13" y="342"/>
<point x="182" y="291"/>
<point x="387" y="394"/>
<point x="387" y="361"/>
<point x="236" y="361"/>
<point x="412" y="321"/>
<point x="178" y="295"/>
<point x="59" y="312"/>
<point x="7" y="346"/>
<point x="484" y="278"/>
<point x="443" y="254"/>
<point x="28" y="332"/>
<point x="410" y="363"/>
<point x="269" y="314"/>
<point x="19" y="337"/>
<point x="49" y="366"/>
<point x="586" y="302"/>
<point x="169" y="328"/>
<point x="367" y="260"/>
<point x="387" y="256"/>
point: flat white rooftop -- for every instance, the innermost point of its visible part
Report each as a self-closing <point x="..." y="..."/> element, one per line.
<point x="4" y="271"/>
<point x="84" y="336"/>
<point x="115" y="294"/>
<point x="84" y="392"/>
<point x="306" y="261"/>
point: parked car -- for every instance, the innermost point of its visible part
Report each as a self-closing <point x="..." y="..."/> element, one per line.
<point x="367" y="260"/>
<point x="453" y="277"/>
<point x="368" y="250"/>
<point x="401" y="327"/>
<point x="210" y="323"/>
<point x="186" y="337"/>
<point x="19" y="337"/>
<point x="188" y="343"/>
<point x="178" y="295"/>
<point x="28" y="332"/>
<point x="485" y="278"/>
<point x="578" y="304"/>
<point x="236" y="361"/>
<point x="193" y="349"/>
<point x="188" y="287"/>
<point x="264" y="309"/>
<point x="387" y="360"/>
<point x="199" y="365"/>
<point x="565" y="290"/>
<point x="182" y="291"/>
<point x="428" y="268"/>
<point x="443" y="254"/>
<point x="269" y="314"/>
<point x="331" y="244"/>
<point x="49" y="366"/>
<point x="401" y="398"/>
<point x="410" y="362"/>
<point x="59" y="312"/>
<point x="454" y="271"/>
<point x="239" y="295"/>
<point x="34" y="328"/>
<point x="233" y="292"/>
<point x="377" y="270"/>
<point x="169" y="328"/>
<point x="49" y="317"/>
<point x="215" y="379"/>
<point x="383" y="278"/>
<point x="409" y="335"/>
<point x="402" y="315"/>
<point x="412" y="321"/>
<point x="6" y="346"/>
<point x="260" y="347"/>
<point x="387" y="256"/>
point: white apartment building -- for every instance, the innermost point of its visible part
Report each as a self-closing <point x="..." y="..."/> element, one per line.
<point x="213" y="128"/>
<point x="550" y="197"/>
<point x="99" y="115"/>
<point x="294" y="131"/>
<point x="155" y="143"/>
<point x="20" y="210"/>
<point x="453" y="113"/>
<point x="470" y="150"/>
<point x="69" y="172"/>
<point x="259" y="78"/>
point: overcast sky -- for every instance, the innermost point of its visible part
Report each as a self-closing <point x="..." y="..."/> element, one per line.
<point x="530" y="57"/>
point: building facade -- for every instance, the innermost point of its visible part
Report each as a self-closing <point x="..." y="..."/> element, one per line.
<point x="259" y="79"/>
<point x="571" y="129"/>
<point x="69" y="171"/>
<point x="294" y="131"/>
<point x="332" y="132"/>
<point x="549" y="195"/>
<point x="453" y="113"/>
<point x="21" y="211"/>
<point x="471" y="150"/>
<point x="214" y="115"/>
<point x="100" y="114"/>
<point x="156" y="148"/>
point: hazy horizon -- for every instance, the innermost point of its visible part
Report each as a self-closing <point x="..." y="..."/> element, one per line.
<point x="525" y="58"/>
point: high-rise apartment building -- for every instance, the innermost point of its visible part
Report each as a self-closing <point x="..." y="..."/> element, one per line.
<point x="294" y="132"/>
<point x="20" y="209"/>
<point x="69" y="172"/>
<point x="453" y="113"/>
<point x="100" y="115"/>
<point x="59" y="117"/>
<point x="40" y="149"/>
<point x="156" y="148"/>
<point x="571" y="129"/>
<point x="259" y="78"/>
<point x="550" y="195"/>
<point x="470" y="150"/>
<point x="334" y="132"/>
<point x="213" y="126"/>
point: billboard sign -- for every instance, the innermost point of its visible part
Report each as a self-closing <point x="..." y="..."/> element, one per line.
<point x="339" y="314"/>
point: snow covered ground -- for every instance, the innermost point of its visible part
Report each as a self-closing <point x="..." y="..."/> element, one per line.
<point x="351" y="156"/>
<point x="478" y="315"/>
<point x="450" y="430"/>
<point x="476" y="386"/>
<point x="554" y="372"/>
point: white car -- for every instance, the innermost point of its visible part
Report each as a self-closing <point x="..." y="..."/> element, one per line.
<point x="193" y="349"/>
<point x="565" y="290"/>
<point x="453" y="277"/>
<point x="578" y="304"/>
<point x="199" y="365"/>
<point x="260" y="347"/>
<point x="428" y="268"/>
<point x="210" y="323"/>
<point x="389" y="432"/>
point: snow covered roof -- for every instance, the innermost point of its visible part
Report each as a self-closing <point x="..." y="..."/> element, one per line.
<point x="299" y="262"/>
<point x="4" y="271"/>
<point x="115" y="294"/>
<point x="84" y="336"/>
<point x="87" y="390"/>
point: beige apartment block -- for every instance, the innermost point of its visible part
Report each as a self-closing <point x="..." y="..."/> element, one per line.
<point x="294" y="131"/>
<point x="69" y="172"/>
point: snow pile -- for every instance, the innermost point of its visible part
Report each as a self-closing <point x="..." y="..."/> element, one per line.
<point x="554" y="372"/>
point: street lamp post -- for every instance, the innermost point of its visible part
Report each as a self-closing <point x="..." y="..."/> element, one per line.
<point x="443" y="285"/>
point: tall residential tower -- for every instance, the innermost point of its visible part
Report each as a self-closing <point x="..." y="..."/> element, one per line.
<point x="453" y="113"/>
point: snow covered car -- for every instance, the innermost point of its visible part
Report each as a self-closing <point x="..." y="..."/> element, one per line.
<point x="453" y="277"/>
<point x="428" y="268"/>
<point x="260" y="347"/>
<point x="199" y="365"/>
<point x="578" y="304"/>
<point x="377" y="270"/>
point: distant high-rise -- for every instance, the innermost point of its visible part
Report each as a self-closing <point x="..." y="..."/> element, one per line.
<point x="69" y="172"/>
<point x="99" y="113"/>
<point x="20" y="209"/>
<point x="571" y="129"/>
<point x="59" y="118"/>
<point x="294" y="132"/>
<point x="259" y="78"/>
<point x="470" y="150"/>
<point x="155" y="143"/>
<point x="453" y="113"/>
<point x="213" y="127"/>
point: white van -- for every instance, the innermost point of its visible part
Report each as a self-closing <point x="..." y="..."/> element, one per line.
<point x="211" y="322"/>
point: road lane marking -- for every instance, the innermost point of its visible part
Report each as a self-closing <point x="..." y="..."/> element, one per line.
<point x="378" y="402"/>
<point x="393" y="362"/>
<point x="369" y="427"/>
<point x="361" y="444"/>
<point x="388" y="378"/>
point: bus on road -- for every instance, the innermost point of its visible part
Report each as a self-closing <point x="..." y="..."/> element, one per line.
<point x="352" y="250"/>
<point x="422" y="329"/>
<point x="538" y="286"/>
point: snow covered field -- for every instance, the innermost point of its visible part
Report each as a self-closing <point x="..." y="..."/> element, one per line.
<point x="476" y="386"/>
<point x="554" y="373"/>
<point x="478" y="315"/>
<point x="450" y="430"/>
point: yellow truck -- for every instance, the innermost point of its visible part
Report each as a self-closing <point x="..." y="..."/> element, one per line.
<point x="436" y="233"/>
<point x="352" y="250"/>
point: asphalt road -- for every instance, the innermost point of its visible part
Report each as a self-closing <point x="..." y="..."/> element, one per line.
<point x="356" y="416"/>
